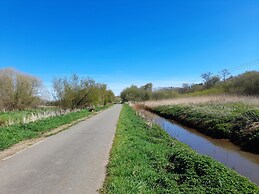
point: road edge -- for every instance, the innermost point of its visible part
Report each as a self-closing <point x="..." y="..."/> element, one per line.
<point x="19" y="147"/>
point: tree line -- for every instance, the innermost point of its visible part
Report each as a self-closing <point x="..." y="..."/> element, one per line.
<point x="75" y="92"/>
<point x="20" y="91"/>
<point x="244" y="84"/>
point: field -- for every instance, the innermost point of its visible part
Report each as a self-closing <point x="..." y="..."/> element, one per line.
<point x="220" y="99"/>
<point x="145" y="159"/>
<point x="233" y="118"/>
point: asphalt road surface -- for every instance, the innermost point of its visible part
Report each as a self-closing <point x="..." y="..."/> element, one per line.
<point x="72" y="161"/>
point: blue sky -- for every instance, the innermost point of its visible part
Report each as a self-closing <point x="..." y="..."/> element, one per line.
<point x="124" y="42"/>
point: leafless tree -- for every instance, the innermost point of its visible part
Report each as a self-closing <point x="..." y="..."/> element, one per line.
<point x="18" y="90"/>
<point x="224" y="74"/>
<point x="209" y="79"/>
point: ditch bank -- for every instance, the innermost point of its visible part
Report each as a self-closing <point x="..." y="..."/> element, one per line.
<point x="145" y="159"/>
<point x="235" y="121"/>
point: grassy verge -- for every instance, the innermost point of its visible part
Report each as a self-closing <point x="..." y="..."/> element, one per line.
<point x="17" y="116"/>
<point x="235" y="121"/>
<point x="145" y="159"/>
<point x="13" y="134"/>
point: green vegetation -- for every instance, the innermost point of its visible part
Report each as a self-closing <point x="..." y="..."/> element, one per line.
<point x="145" y="159"/>
<point x="21" y="97"/>
<point x="133" y="93"/>
<point x="243" y="84"/>
<point x="235" y="121"/>
<point x="75" y="92"/>
<point x="20" y="91"/>
<point x="13" y="134"/>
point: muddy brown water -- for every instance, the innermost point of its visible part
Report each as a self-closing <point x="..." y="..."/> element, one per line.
<point x="245" y="163"/>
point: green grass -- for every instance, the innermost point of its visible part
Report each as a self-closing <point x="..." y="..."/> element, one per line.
<point x="145" y="159"/>
<point x="13" y="134"/>
<point x="206" y="92"/>
<point x="235" y="121"/>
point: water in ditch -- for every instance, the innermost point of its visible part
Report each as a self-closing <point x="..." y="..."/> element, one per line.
<point x="245" y="163"/>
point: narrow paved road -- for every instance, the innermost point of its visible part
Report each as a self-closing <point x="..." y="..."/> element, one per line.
<point x="72" y="161"/>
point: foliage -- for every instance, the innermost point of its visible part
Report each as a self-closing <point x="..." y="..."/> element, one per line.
<point x="74" y="92"/>
<point x="235" y="121"/>
<point x="209" y="79"/>
<point x="133" y="93"/>
<point x="145" y="159"/>
<point x="18" y="90"/>
<point x="244" y="84"/>
<point x="165" y="93"/>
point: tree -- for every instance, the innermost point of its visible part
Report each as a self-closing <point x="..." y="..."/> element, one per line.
<point x="245" y="84"/>
<point x="110" y="97"/>
<point x="133" y="93"/>
<point x="74" y="92"/>
<point x="146" y="91"/>
<point x="185" y="88"/>
<point x="196" y="87"/>
<point x="206" y="77"/>
<point x="212" y="81"/>
<point x="224" y="74"/>
<point x="209" y="80"/>
<point x="18" y="90"/>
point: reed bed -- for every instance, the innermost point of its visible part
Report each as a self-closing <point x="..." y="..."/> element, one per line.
<point x="221" y="99"/>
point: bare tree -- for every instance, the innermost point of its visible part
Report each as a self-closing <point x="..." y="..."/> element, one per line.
<point x="209" y="79"/>
<point x="224" y="74"/>
<point x="206" y="76"/>
<point x="18" y="90"/>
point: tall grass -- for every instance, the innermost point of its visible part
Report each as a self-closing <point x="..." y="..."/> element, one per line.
<point x="30" y="115"/>
<point x="221" y="99"/>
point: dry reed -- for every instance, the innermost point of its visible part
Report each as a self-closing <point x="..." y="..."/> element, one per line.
<point x="254" y="101"/>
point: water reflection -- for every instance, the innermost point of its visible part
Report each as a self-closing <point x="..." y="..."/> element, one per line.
<point x="224" y="151"/>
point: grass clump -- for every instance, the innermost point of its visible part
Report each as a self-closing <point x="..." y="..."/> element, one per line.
<point x="235" y="121"/>
<point x="145" y="159"/>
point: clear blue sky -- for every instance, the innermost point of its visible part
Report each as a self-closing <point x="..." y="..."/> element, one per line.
<point x="124" y="42"/>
